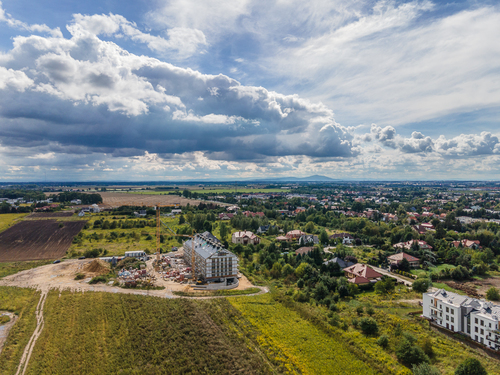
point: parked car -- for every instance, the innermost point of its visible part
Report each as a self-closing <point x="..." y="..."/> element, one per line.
<point x="57" y="261"/>
<point x="82" y="257"/>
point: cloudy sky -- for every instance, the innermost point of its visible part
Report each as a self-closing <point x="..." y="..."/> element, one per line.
<point x="228" y="89"/>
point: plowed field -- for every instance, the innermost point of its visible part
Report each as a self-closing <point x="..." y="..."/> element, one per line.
<point x="37" y="239"/>
<point x="124" y="199"/>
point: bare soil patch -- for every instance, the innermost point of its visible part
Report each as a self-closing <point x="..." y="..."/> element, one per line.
<point x="112" y="199"/>
<point x="96" y="267"/>
<point x="468" y="287"/>
<point x="38" y="239"/>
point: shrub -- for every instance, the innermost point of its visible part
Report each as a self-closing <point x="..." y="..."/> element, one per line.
<point x="383" y="341"/>
<point x="98" y="279"/>
<point x="425" y="369"/>
<point x="470" y="366"/>
<point x="427" y="347"/>
<point x="354" y="322"/>
<point x="333" y="307"/>
<point x="334" y="320"/>
<point x="370" y="310"/>
<point x="300" y="283"/>
<point x="492" y="294"/>
<point x="421" y="285"/>
<point x="398" y="330"/>
<point x="79" y="276"/>
<point x="368" y="326"/>
<point x="410" y="354"/>
<point x="4" y="319"/>
<point x="359" y="310"/>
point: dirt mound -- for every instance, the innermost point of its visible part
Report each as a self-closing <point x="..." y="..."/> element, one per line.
<point x="97" y="266"/>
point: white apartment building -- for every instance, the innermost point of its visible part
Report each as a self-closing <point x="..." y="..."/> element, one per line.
<point x="212" y="260"/>
<point x="478" y="319"/>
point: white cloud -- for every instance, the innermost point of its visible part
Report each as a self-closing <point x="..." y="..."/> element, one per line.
<point x="12" y="22"/>
<point x="14" y="79"/>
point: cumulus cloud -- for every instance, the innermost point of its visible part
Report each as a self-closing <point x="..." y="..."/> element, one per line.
<point x="468" y="145"/>
<point x="417" y="143"/>
<point x="185" y="41"/>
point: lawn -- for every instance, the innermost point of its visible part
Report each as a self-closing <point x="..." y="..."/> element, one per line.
<point x="105" y="333"/>
<point x="6" y="220"/>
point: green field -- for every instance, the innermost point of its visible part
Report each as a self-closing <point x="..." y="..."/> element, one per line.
<point x="6" y="220"/>
<point x="15" y="267"/>
<point x="23" y="302"/>
<point x="218" y="190"/>
<point x="104" y="333"/>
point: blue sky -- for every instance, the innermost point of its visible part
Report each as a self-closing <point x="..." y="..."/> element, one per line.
<point x="228" y="89"/>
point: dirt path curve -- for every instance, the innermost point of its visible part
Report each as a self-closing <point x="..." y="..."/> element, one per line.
<point x="23" y="364"/>
<point x="393" y="275"/>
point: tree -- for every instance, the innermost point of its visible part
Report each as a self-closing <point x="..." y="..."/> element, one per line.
<point x="404" y="265"/>
<point x="421" y="285"/>
<point x="492" y="294"/>
<point x="223" y="230"/>
<point x="323" y="237"/>
<point x="383" y="341"/>
<point x="410" y="354"/>
<point x="368" y="326"/>
<point x="301" y="270"/>
<point x="384" y="286"/>
<point x="181" y="220"/>
<point x="309" y="227"/>
<point x="470" y="366"/>
<point x="425" y="369"/>
<point x="287" y="270"/>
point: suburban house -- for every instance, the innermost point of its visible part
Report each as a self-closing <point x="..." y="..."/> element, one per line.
<point x="245" y="237"/>
<point x="308" y="239"/>
<point x="263" y="229"/>
<point x="294" y="234"/>
<point x="361" y="274"/>
<point x="396" y="259"/>
<point x="347" y="239"/>
<point x="304" y="250"/>
<point x="342" y="263"/>
<point x="76" y="201"/>
<point x="407" y="245"/>
<point x="475" y="318"/>
<point x="282" y="238"/>
<point x="466" y="243"/>
<point x="225" y="216"/>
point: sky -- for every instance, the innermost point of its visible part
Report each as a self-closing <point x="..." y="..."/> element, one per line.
<point x="169" y="90"/>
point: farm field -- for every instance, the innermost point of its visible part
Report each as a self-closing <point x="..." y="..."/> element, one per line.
<point x="6" y="220"/>
<point x="44" y="215"/>
<point x="37" y="239"/>
<point x="217" y="190"/>
<point x="306" y="346"/>
<point x="123" y="199"/>
<point x="22" y="302"/>
<point x="105" y="333"/>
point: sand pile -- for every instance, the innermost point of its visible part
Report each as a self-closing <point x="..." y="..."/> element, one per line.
<point x="97" y="266"/>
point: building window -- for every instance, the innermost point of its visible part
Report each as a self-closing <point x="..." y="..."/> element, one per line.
<point x="452" y="320"/>
<point x="482" y="322"/>
<point x="447" y="309"/>
<point x="452" y="327"/>
<point x="476" y="338"/>
<point x="447" y="317"/>
<point x="475" y="329"/>
<point x="475" y="320"/>
<point x="482" y="331"/>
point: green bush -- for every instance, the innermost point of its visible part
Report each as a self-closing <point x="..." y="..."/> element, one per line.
<point x="359" y="310"/>
<point x="425" y="369"/>
<point x="4" y="319"/>
<point x="492" y="294"/>
<point x="383" y="341"/>
<point x="368" y="326"/>
<point x="370" y="310"/>
<point x="79" y="276"/>
<point x="470" y="366"/>
<point x="98" y="279"/>
<point x="410" y="354"/>
<point x="421" y="285"/>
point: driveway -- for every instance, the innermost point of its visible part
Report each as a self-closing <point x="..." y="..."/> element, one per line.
<point x="393" y="275"/>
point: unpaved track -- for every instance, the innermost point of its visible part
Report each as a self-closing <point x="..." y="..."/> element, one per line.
<point x="61" y="277"/>
<point x="23" y="364"/>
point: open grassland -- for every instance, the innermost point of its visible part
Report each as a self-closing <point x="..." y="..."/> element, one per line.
<point x="148" y="199"/>
<point x="310" y="349"/>
<point x="104" y="333"/>
<point x="217" y="190"/>
<point x="11" y="268"/>
<point x="6" y="220"/>
<point x="23" y="302"/>
<point x="116" y="241"/>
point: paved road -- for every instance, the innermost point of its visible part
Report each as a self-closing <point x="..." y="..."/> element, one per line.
<point x="394" y="275"/>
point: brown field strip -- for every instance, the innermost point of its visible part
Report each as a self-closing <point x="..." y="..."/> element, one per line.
<point x="38" y="239"/>
<point x="124" y="199"/>
<point x="45" y="215"/>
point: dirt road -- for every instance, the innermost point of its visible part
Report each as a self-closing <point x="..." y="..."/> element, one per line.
<point x="62" y="277"/>
<point x="23" y="364"/>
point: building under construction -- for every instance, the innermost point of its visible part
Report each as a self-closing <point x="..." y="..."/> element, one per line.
<point x="212" y="261"/>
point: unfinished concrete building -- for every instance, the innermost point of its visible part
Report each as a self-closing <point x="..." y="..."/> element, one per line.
<point x="212" y="261"/>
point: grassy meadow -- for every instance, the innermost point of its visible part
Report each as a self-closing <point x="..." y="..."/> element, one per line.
<point x="7" y="220"/>
<point x="11" y="268"/>
<point x="23" y="303"/>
